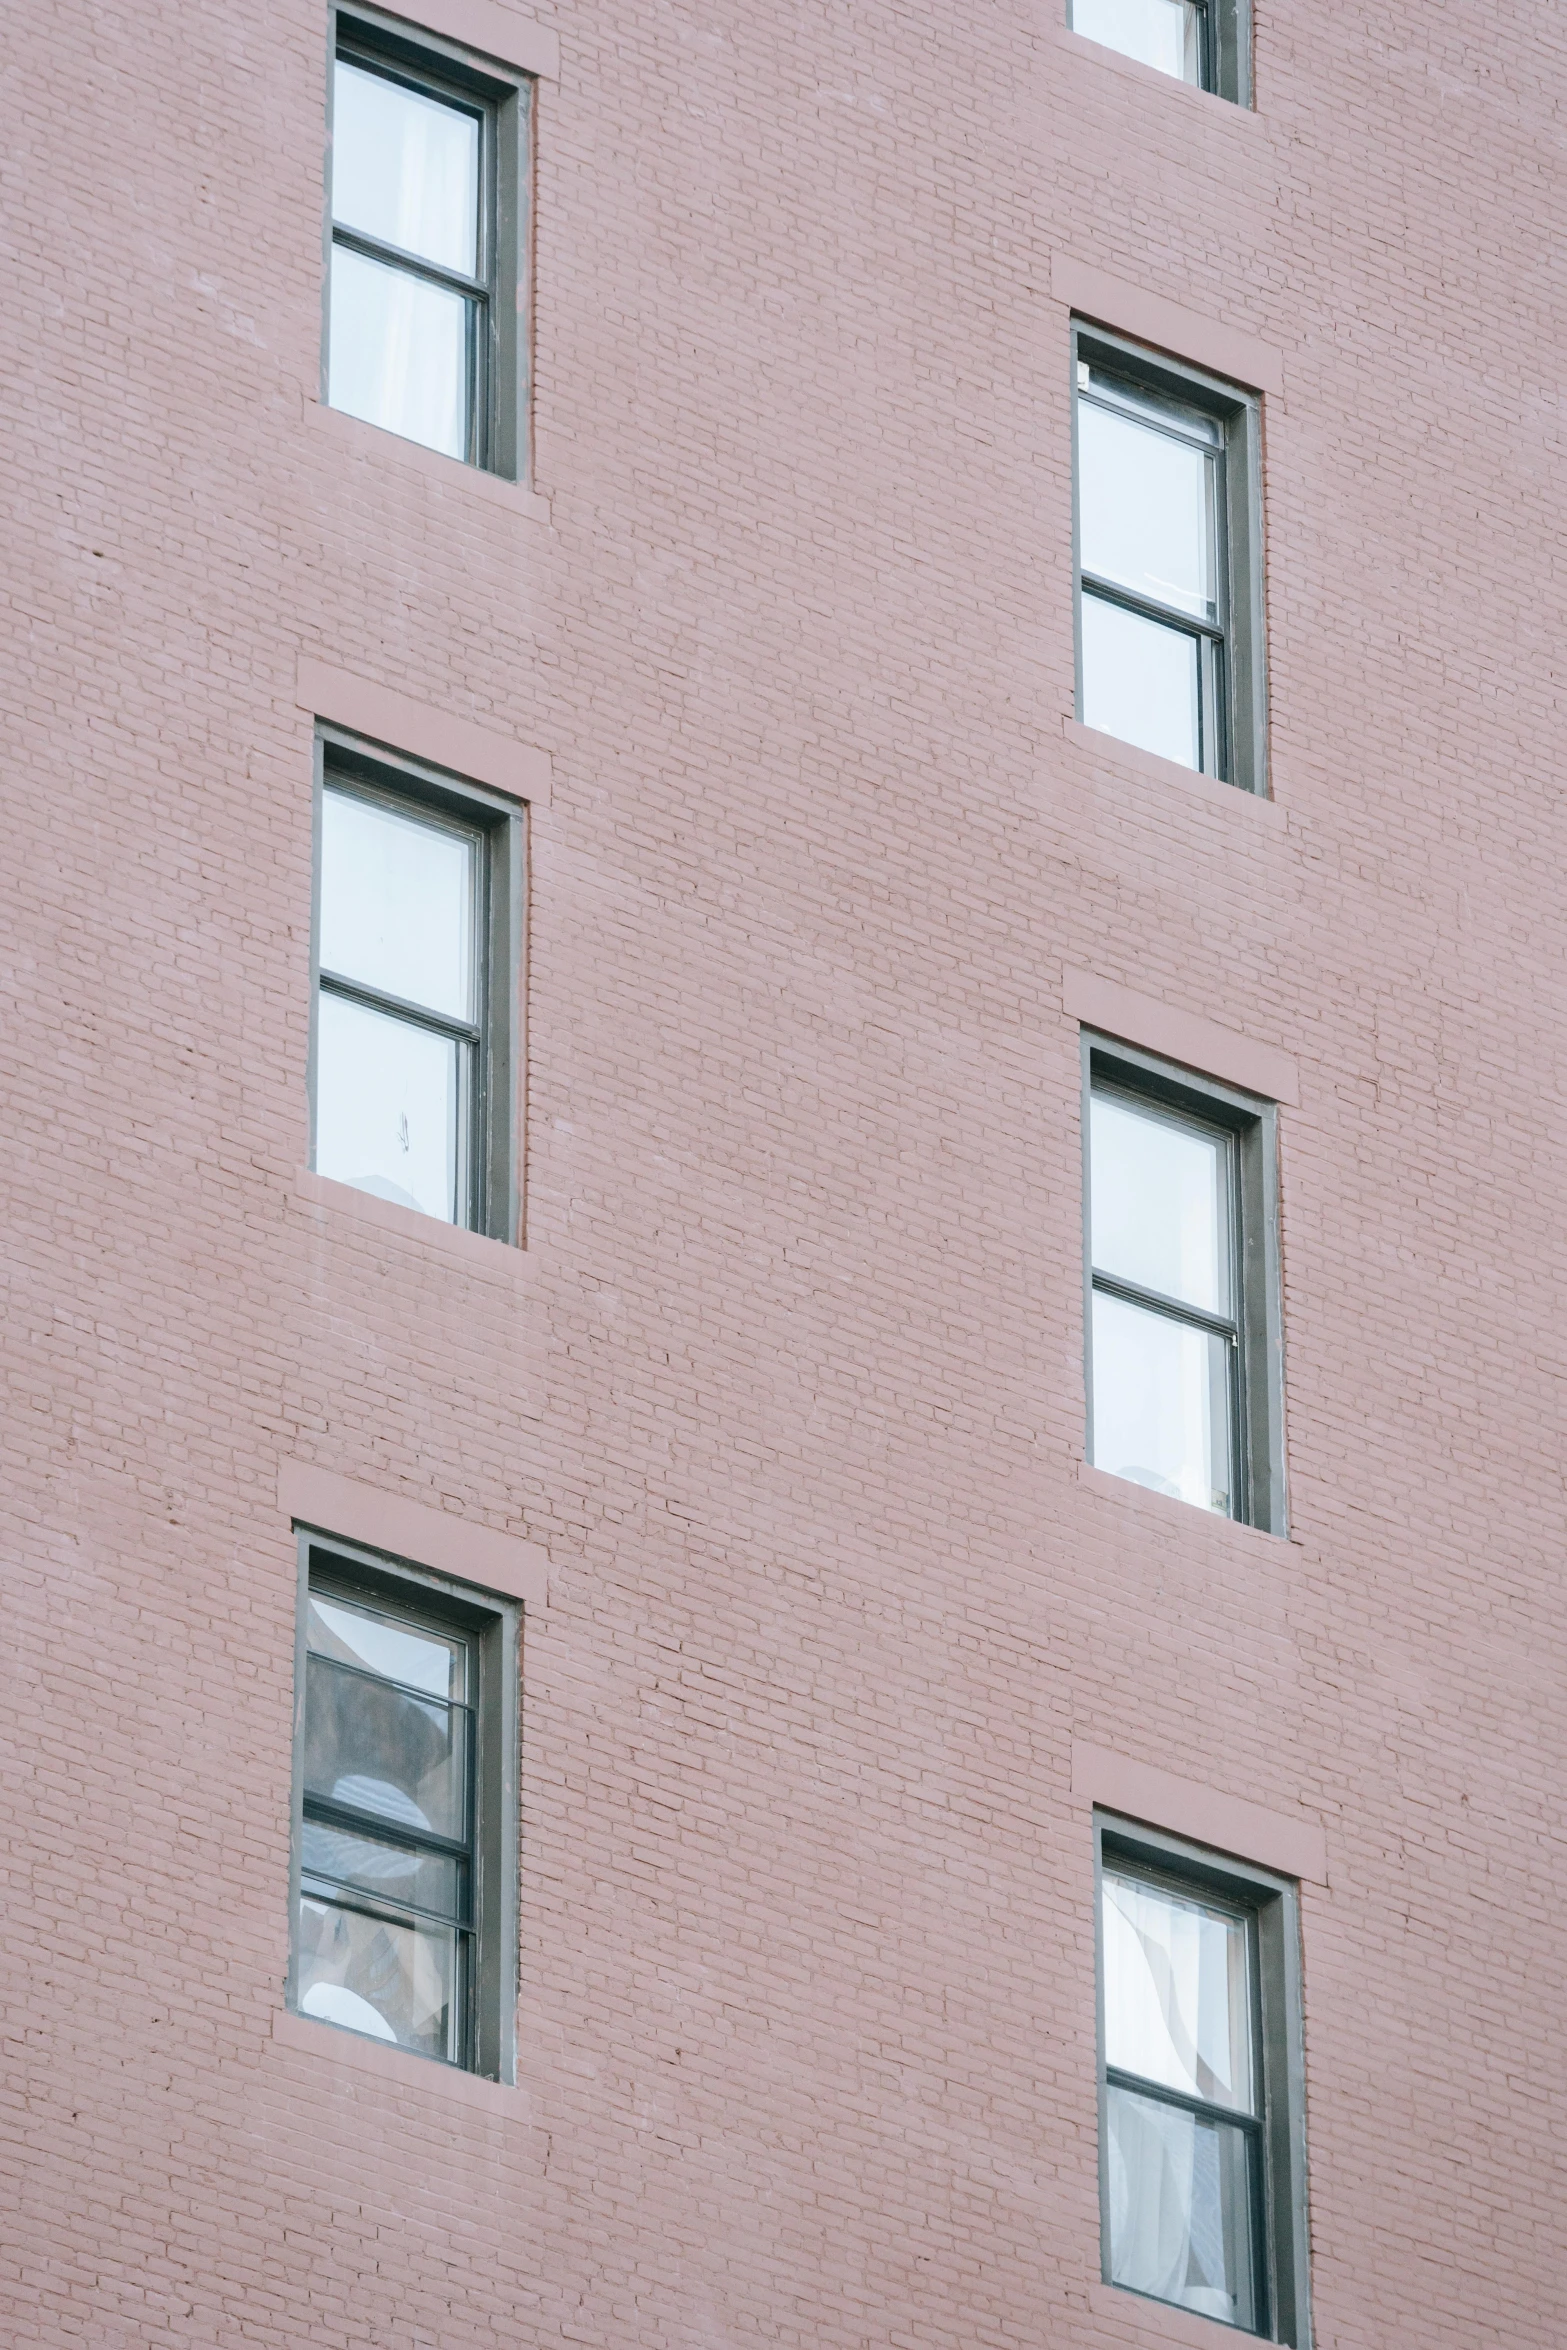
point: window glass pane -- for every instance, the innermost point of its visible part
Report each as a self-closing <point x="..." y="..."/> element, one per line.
<point x="1146" y="510"/>
<point x="1162" y="33"/>
<point x="1177" y="1992"/>
<point x="385" y="1871"/>
<point x="1158" y="1202"/>
<point x="1141" y="682"/>
<point x="378" y="1749"/>
<point x="1161" y="1403"/>
<point x="1180" y="2207"/>
<point x="405" y="168"/>
<point x="398" y="899"/>
<point x="393" y="1981"/>
<point x="399" y="352"/>
<point x="388" y="1107"/>
<point x="435" y="1662"/>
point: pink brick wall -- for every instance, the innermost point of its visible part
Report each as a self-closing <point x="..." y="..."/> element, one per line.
<point x="788" y="1379"/>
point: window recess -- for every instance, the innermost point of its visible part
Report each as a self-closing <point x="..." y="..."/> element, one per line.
<point x="1206" y="43"/>
<point x="404" y="1925"/>
<point x="1167" y="525"/>
<point x="1202" y="2130"/>
<point x="418" y="916"/>
<point x="426" y="245"/>
<point x="1185" y="1378"/>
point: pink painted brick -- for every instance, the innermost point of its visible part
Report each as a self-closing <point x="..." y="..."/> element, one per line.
<point x="787" y="1383"/>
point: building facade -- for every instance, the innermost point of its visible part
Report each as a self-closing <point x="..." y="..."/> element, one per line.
<point x="785" y="1259"/>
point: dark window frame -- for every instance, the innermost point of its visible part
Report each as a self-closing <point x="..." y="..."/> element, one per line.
<point x="494" y="1626"/>
<point x="1271" y="1904"/>
<point x="1225" y="40"/>
<point x="1235" y="704"/>
<point x="494" y="1139"/>
<point x="1258" y="1481"/>
<point x="499" y="424"/>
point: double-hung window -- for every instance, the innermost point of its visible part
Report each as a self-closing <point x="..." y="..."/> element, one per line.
<point x="1206" y="43"/>
<point x="1168" y="605"/>
<point x="427" y="176"/>
<point x="403" y="1926"/>
<point x="1184" y="1375"/>
<point x="419" y="902"/>
<point x="1202" y="2169"/>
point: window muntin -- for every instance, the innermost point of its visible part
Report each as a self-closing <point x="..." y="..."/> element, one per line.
<point x="387" y="1846"/>
<point x="1170" y="35"/>
<point x="1165" y="1336"/>
<point x="411" y="319"/>
<point x="1152" y="587"/>
<point x="400" y="1042"/>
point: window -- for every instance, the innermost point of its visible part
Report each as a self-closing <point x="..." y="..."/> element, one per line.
<point x="1169" y="575"/>
<point x="427" y="180"/>
<point x="405" y="1811"/>
<point x="1204" y="42"/>
<point x="1202" y="2133"/>
<point x="1184" y="1353"/>
<point x="419" y="910"/>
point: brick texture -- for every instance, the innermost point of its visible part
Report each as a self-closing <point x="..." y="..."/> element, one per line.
<point x="787" y="1380"/>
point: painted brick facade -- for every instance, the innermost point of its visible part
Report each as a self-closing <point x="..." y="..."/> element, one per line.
<point x="787" y="1381"/>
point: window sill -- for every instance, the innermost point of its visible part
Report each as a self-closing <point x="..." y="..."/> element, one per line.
<point x="1107" y="750"/>
<point x="372" y="444"/>
<point x="351" y="2052"/>
<point x="1169" y="1510"/>
<point x="1153" y="2323"/>
<point x="1148" y="77"/>
<point x="476" y="1250"/>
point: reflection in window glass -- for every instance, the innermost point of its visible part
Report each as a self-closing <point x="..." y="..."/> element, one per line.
<point x="1166" y="34"/>
<point x="373" y="1865"/>
<point x="391" y="1978"/>
<point x="387" y="1835"/>
<point x="385" y="1751"/>
<point x="417" y="1657"/>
